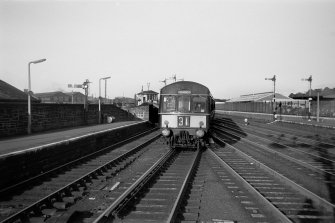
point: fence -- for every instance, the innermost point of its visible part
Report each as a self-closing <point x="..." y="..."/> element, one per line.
<point x="327" y="108"/>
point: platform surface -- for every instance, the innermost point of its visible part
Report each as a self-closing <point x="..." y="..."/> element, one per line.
<point x="21" y="143"/>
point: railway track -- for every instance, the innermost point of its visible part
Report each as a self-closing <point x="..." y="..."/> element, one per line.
<point x="288" y="201"/>
<point x="306" y="169"/>
<point x="312" y="135"/>
<point x="313" y="156"/>
<point x="145" y="181"/>
<point x="157" y="195"/>
<point x="39" y="198"/>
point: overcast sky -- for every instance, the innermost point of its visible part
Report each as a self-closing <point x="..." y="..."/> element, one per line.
<point x="230" y="46"/>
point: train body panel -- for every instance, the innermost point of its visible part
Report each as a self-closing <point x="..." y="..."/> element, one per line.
<point x="185" y="120"/>
<point x="185" y="111"/>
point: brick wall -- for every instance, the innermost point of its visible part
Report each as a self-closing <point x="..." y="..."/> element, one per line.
<point x="14" y="120"/>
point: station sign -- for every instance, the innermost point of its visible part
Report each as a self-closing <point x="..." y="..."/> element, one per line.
<point x="184" y="92"/>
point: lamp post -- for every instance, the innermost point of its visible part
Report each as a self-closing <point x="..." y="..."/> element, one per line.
<point x="29" y="92"/>
<point x="274" y="95"/>
<point x="310" y="95"/>
<point x="103" y="78"/>
<point x="106" y="86"/>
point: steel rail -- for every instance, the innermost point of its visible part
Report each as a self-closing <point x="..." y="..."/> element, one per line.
<point x="175" y="208"/>
<point x="326" y="205"/>
<point x="271" y="208"/>
<point x="289" y="132"/>
<point x="22" y="214"/>
<point x="13" y="187"/>
<point x="133" y="189"/>
<point x="300" y="139"/>
<point x="302" y="163"/>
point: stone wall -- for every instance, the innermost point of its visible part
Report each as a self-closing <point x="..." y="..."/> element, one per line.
<point x="15" y="168"/>
<point x="14" y="116"/>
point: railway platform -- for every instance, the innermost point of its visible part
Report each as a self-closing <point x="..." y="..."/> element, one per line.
<point x="21" y="144"/>
<point x="27" y="156"/>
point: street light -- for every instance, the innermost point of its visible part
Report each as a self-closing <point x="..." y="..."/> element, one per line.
<point x="274" y="94"/>
<point x="310" y="95"/>
<point x="29" y="92"/>
<point x="103" y="78"/>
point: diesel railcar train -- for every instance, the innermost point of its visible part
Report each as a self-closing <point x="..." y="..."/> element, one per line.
<point x="185" y="112"/>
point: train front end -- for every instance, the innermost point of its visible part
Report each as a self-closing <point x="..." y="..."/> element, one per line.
<point x="185" y="113"/>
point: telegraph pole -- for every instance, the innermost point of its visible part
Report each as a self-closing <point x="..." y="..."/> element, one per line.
<point x="310" y="95"/>
<point x="274" y="95"/>
<point x="85" y="86"/>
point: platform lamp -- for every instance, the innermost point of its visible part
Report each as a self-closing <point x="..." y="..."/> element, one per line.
<point x="103" y="78"/>
<point x="274" y="95"/>
<point x="29" y="92"/>
<point x="310" y="95"/>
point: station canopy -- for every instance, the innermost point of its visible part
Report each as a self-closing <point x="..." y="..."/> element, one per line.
<point x="262" y="97"/>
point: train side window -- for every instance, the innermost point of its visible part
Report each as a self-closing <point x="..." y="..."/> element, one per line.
<point x="184" y="104"/>
<point x="169" y="103"/>
<point x="199" y="104"/>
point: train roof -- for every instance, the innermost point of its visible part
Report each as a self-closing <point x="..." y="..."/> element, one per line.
<point x="176" y="87"/>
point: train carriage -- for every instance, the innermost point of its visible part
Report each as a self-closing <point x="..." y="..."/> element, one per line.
<point x="186" y="109"/>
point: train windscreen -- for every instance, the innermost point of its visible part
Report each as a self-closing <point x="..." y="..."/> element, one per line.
<point x="169" y="103"/>
<point x="184" y="104"/>
<point x="199" y="104"/>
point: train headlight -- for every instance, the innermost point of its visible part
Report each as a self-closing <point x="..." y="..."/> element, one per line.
<point x="166" y="122"/>
<point x="200" y="133"/>
<point x="166" y="132"/>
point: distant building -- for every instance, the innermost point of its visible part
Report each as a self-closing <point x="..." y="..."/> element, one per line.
<point x="76" y="97"/>
<point x="124" y="102"/>
<point x="148" y="96"/>
<point x="53" y="97"/>
<point x="263" y="97"/>
<point x="61" y="98"/>
<point x="146" y="112"/>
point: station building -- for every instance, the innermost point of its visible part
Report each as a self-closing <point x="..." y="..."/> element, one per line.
<point x="146" y="106"/>
<point x="264" y="103"/>
<point x="148" y="96"/>
<point x="263" y="97"/>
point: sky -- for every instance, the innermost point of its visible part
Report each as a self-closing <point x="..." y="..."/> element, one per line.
<point x="230" y="46"/>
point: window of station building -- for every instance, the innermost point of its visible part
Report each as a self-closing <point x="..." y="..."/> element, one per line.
<point x="169" y="103"/>
<point x="199" y="104"/>
<point x="184" y="104"/>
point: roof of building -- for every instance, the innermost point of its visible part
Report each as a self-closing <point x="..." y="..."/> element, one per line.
<point x="50" y="94"/>
<point x="74" y="93"/>
<point x="11" y="93"/>
<point x="147" y="92"/>
<point x="266" y="96"/>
